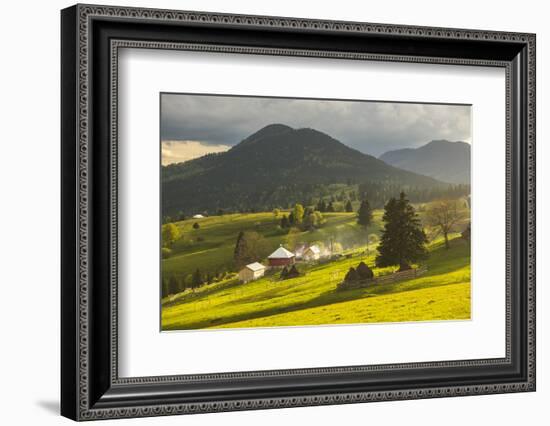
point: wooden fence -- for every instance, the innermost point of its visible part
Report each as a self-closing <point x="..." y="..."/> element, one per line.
<point x="384" y="279"/>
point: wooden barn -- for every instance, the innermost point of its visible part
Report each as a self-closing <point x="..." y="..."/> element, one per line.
<point x="251" y="272"/>
<point x="281" y="257"/>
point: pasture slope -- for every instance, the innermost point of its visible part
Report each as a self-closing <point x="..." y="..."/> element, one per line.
<point x="442" y="293"/>
<point x="210" y="248"/>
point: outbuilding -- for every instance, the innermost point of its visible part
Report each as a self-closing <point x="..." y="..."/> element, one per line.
<point x="311" y="253"/>
<point x="281" y="257"/>
<point x="252" y="272"/>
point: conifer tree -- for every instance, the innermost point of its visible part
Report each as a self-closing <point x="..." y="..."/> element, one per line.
<point x="364" y="217"/>
<point x="165" y="289"/>
<point x="403" y="239"/>
<point x="291" y="219"/>
<point x="364" y="214"/>
<point x="249" y="248"/>
<point x="349" y="207"/>
<point x="197" y="279"/>
<point x="240" y="249"/>
<point x="173" y="285"/>
<point x="284" y="222"/>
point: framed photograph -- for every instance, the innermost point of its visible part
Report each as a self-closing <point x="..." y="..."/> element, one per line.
<point x="263" y="212"/>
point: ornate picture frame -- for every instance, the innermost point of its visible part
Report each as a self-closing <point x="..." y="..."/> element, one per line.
<point x="91" y="37"/>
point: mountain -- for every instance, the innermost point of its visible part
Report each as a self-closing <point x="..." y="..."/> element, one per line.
<point x="443" y="160"/>
<point x="275" y="167"/>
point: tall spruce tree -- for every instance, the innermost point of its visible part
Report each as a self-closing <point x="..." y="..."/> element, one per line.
<point x="241" y="253"/>
<point x="165" y="287"/>
<point x="250" y="247"/>
<point x="173" y="286"/>
<point x="284" y="222"/>
<point x="291" y="219"/>
<point x="403" y="239"/>
<point x="364" y="214"/>
<point x="197" y="279"/>
<point x="364" y="217"/>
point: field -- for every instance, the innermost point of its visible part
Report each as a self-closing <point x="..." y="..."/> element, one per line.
<point x="211" y="246"/>
<point x="442" y="293"/>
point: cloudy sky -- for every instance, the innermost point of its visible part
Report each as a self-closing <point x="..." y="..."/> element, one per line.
<point x="194" y="125"/>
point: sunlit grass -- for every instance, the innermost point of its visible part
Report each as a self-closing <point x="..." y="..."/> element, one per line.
<point x="210" y="248"/>
<point x="443" y="293"/>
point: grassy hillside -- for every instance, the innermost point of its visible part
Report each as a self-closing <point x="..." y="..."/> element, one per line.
<point x="210" y="248"/>
<point x="442" y="293"/>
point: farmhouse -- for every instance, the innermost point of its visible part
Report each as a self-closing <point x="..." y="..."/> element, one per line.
<point x="311" y="253"/>
<point x="281" y="257"/>
<point x="251" y="272"/>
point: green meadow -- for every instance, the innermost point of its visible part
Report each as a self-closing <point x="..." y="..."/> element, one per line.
<point x="210" y="248"/>
<point x="442" y="293"/>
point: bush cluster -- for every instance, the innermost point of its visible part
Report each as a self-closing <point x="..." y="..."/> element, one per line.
<point x="362" y="272"/>
<point x="287" y="273"/>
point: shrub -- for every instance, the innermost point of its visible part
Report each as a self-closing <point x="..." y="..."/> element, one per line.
<point x="293" y="272"/>
<point x="337" y="248"/>
<point x="404" y="267"/>
<point x="364" y="272"/>
<point x="352" y="275"/>
<point x="196" y="225"/>
<point x="466" y="234"/>
<point x="166" y="252"/>
<point x="170" y="233"/>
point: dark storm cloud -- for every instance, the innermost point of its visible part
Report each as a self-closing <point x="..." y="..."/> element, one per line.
<point x="371" y="127"/>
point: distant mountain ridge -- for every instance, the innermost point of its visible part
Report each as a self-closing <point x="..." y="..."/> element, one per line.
<point x="274" y="167"/>
<point x="443" y="160"/>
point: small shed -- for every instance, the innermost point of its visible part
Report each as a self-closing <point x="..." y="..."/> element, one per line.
<point x="251" y="272"/>
<point x="311" y="253"/>
<point x="281" y="257"/>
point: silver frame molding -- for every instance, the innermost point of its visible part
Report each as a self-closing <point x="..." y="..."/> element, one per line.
<point x="91" y="388"/>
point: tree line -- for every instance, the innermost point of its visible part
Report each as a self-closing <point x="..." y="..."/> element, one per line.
<point x="379" y="195"/>
<point x="306" y="219"/>
<point x="286" y="196"/>
<point x="177" y="283"/>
